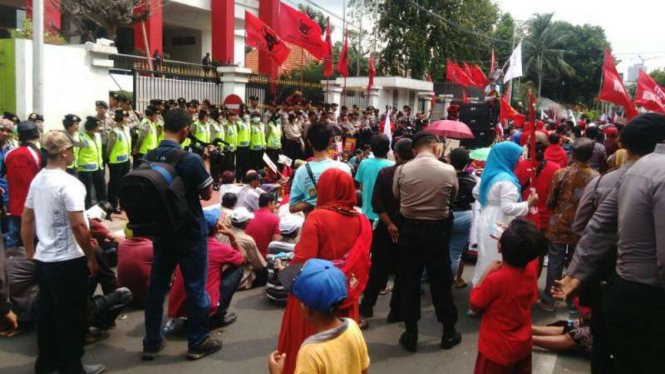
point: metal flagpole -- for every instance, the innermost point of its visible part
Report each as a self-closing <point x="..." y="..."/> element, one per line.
<point x="38" y="56"/>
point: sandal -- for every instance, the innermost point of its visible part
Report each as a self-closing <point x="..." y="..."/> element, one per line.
<point x="460" y="283"/>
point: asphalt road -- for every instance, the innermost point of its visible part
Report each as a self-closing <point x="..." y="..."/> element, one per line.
<point x="248" y="342"/>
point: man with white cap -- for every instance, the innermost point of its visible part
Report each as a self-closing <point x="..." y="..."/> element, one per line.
<point x="254" y="273"/>
<point x="289" y="227"/>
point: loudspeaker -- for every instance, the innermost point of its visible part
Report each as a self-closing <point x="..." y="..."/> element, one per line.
<point x="481" y="119"/>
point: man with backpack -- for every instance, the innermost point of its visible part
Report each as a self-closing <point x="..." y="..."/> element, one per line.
<point x="186" y="246"/>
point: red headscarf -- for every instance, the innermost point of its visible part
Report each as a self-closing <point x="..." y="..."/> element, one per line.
<point x="336" y="191"/>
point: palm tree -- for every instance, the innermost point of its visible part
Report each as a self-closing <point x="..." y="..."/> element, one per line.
<point x="541" y="56"/>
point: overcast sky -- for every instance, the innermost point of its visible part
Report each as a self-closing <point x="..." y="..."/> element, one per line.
<point x="634" y="27"/>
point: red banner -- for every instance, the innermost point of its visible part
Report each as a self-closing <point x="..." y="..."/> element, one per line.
<point x="328" y="65"/>
<point x="372" y="73"/>
<point x="649" y="94"/>
<point x="613" y="90"/>
<point x="507" y="112"/>
<point x="297" y="28"/>
<point x="262" y="37"/>
<point x="343" y="63"/>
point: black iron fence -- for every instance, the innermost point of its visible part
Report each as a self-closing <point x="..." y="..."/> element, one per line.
<point x="261" y="86"/>
<point x="168" y="68"/>
<point x="148" y="85"/>
<point x="354" y="96"/>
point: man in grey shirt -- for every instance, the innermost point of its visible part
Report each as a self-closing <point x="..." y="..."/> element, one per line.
<point x="636" y="296"/>
<point x="425" y="188"/>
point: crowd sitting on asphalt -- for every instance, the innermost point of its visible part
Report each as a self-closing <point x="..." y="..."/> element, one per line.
<point x="323" y="209"/>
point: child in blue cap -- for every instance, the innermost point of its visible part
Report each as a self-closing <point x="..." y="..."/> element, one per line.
<point x="338" y="345"/>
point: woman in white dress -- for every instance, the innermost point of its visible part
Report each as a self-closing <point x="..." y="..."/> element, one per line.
<point x="500" y="199"/>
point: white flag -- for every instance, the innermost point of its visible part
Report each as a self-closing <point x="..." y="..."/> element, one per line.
<point x="386" y="128"/>
<point x="572" y="117"/>
<point x="543" y="115"/>
<point x="514" y="64"/>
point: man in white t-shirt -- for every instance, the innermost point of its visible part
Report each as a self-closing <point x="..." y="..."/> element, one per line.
<point x="303" y="190"/>
<point x="54" y="212"/>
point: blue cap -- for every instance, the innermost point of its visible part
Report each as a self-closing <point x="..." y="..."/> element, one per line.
<point x="211" y="216"/>
<point x="319" y="284"/>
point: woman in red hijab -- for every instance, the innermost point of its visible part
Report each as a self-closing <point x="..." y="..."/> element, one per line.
<point x="334" y="231"/>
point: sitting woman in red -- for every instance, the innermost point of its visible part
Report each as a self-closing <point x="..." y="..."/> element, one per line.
<point x="334" y="231"/>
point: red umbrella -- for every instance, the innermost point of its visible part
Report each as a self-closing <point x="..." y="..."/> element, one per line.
<point x="450" y="129"/>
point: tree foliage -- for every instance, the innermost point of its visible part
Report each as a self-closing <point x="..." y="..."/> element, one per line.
<point x="659" y="76"/>
<point x="90" y="17"/>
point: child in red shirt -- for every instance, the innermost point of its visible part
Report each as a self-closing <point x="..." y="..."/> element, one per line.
<point x="505" y="294"/>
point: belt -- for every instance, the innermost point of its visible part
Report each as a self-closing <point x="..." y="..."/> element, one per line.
<point x="423" y="222"/>
<point x="122" y="158"/>
<point x="90" y="166"/>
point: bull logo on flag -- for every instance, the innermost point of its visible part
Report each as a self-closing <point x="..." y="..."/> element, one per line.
<point x="272" y="41"/>
<point x="303" y="27"/>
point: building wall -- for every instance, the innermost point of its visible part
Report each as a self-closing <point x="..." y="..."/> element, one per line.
<point x="188" y="53"/>
<point x="71" y="85"/>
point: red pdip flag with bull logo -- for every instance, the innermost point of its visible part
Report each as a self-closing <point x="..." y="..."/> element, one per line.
<point x="262" y="37"/>
<point x="297" y="28"/>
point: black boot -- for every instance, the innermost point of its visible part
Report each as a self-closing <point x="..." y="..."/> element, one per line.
<point x="450" y="338"/>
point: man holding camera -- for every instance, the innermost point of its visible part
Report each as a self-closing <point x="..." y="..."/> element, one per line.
<point x="187" y="248"/>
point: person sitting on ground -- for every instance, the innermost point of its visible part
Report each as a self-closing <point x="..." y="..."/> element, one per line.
<point x="564" y="336"/>
<point x="289" y="228"/>
<point x="248" y="196"/>
<point x="135" y="257"/>
<point x="504" y="295"/>
<point x="280" y="254"/>
<point x="229" y="202"/>
<point x="224" y="275"/>
<point x="337" y="345"/>
<point x="264" y="228"/>
<point x="254" y="268"/>
<point x="228" y="184"/>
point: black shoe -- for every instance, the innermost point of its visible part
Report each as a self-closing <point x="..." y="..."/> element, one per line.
<point x="217" y="321"/>
<point x="93" y="369"/>
<point x="150" y="354"/>
<point x="450" y="340"/>
<point x="394" y="317"/>
<point x="409" y="342"/>
<point x="367" y="312"/>
<point x="208" y="347"/>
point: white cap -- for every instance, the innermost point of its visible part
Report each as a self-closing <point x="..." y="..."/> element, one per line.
<point x="240" y="215"/>
<point x="288" y="225"/>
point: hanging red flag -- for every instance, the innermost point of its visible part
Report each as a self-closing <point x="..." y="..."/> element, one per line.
<point x="465" y="98"/>
<point x="433" y="101"/>
<point x="479" y="77"/>
<point x="343" y="63"/>
<point x="455" y="74"/>
<point x="328" y="65"/>
<point x="263" y="38"/>
<point x="507" y="112"/>
<point x="532" y="107"/>
<point x="469" y="74"/>
<point x="613" y="90"/>
<point x="297" y="28"/>
<point x="372" y="72"/>
<point x="649" y="94"/>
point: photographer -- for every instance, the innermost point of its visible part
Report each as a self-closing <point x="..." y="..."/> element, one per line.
<point x="187" y="248"/>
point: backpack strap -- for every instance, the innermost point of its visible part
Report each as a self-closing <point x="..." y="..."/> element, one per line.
<point x="311" y="175"/>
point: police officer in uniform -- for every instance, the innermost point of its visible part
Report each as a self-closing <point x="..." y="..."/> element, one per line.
<point x="71" y="124"/>
<point x="148" y="136"/>
<point x="231" y="137"/>
<point x="91" y="163"/>
<point x="201" y="127"/>
<point x="242" y="153"/>
<point x="117" y="156"/>
<point x="274" y="138"/>
<point x="257" y="142"/>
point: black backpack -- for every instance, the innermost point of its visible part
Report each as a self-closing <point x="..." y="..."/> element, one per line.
<point x="153" y="196"/>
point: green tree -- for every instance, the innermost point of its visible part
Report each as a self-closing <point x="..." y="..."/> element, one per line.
<point x="659" y="76"/>
<point x="542" y="54"/>
<point x="503" y="31"/>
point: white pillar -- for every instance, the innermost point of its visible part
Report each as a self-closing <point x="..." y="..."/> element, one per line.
<point x="234" y="80"/>
<point x="332" y="92"/>
<point x="374" y="94"/>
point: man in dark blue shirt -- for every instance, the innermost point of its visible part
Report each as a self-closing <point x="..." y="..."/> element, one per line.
<point x="187" y="248"/>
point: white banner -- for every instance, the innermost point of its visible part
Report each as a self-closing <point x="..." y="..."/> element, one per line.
<point x="514" y="64"/>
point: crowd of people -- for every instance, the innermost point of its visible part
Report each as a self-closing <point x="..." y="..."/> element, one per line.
<point x="323" y="208"/>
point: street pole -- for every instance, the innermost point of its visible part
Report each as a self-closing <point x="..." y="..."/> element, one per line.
<point x="147" y="47"/>
<point x="38" y="56"/>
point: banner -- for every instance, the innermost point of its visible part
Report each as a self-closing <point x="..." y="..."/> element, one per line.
<point x="328" y="65"/>
<point x="343" y="63"/>
<point x="263" y="38"/>
<point x="507" y="112"/>
<point x="350" y="144"/>
<point x="649" y="94"/>
<point x="297" y="28"/>
<point x="613" y="90"/>
<point x="515" y="64"/>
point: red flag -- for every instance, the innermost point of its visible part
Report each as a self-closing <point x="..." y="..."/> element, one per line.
<point x="455" y="74"/>
<point x="429" y="79"/>
<point x="613" y="89"/>
<point x="297" y="28"/>
<point x="328" y="65"/>
<point x="649" y="94"/>
<point x="469" y="74"/>
<point x="372" y="72"/>
<point x="507" y="112"/>
<point x="343" y="63"/>
<point x="532" y="107"/>
<point x="465" y="99"/>
<point x="479" y="77"/>
<point x="492" y="63"/>
<point x="262" y="37"/>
